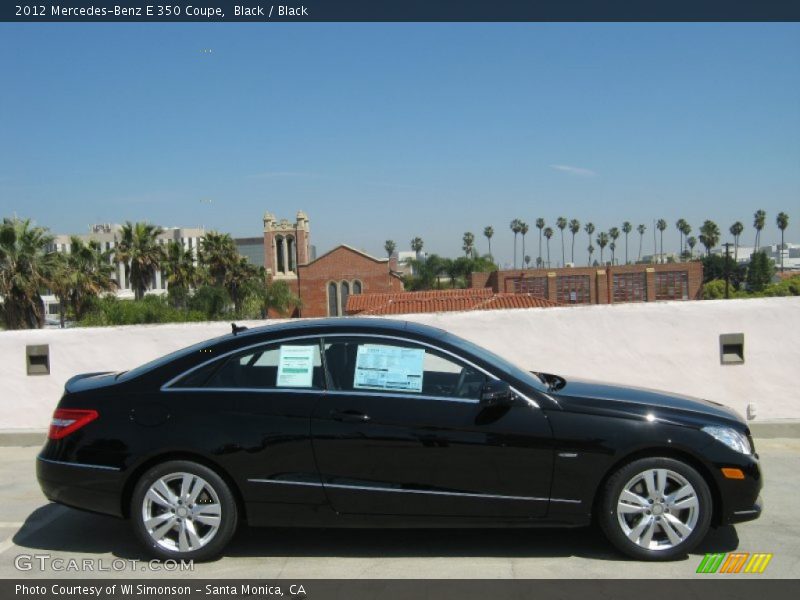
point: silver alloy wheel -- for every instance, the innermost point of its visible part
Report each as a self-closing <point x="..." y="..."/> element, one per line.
<point x="658" y="509"/>
<point x="181" y="512"/>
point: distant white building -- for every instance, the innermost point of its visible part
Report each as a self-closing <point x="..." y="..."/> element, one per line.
<point x="108" y="235"/>
<point x="403" y="257"/>
<point x="791" y="254"/>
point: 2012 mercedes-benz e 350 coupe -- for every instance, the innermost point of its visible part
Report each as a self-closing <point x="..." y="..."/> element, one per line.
<point x="379" y="423"/>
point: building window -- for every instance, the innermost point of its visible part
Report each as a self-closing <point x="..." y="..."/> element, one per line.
<point x="333" y="300"/>
<point x="672" y="285"/>
<point x="290" y="250"/>
<point x="279" y="257"/>
<point x="345" y="287"/>
<point x="535" y="286"/>
<point x="356" y="287"/>
<point x="630" y="287"/>
<point x="573" y="289"/>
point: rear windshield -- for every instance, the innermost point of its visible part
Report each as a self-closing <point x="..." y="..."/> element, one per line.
<point x="163" y="360"/>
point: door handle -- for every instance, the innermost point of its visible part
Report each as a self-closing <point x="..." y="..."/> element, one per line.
<point x="350" y="416"/>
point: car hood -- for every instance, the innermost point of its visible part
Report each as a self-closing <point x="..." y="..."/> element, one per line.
<point x="590" y="396"/>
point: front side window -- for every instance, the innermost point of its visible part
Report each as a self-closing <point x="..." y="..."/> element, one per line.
<point x="274" y="366"/>
<point x="378" y="365"/>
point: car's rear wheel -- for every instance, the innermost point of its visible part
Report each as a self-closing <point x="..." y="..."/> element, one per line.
<point x="655" y="508"/>
<point x="183" y="510"/>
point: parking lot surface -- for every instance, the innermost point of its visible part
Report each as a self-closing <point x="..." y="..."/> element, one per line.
<point x="31" y="528"/>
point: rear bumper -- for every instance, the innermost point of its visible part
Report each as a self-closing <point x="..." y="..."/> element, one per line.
<point x="88" y="487"/>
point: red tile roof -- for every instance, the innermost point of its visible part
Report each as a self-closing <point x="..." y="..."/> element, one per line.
<point x="399" y="303"/>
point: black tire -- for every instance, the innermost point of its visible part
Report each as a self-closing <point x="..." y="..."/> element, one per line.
<point x="660" y="515"/>
<point x="181" y="513"/>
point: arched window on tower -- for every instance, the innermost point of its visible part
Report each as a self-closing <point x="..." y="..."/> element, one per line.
<point x="290" y="251"/>
<point x="333" y="300"/>
<point x="279" y="257"/>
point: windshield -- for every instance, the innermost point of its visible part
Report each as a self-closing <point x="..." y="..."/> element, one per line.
<point x="163" y="360"/>
<point x="508" y="367"/>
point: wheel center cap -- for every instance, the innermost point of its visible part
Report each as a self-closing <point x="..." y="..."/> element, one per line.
<point x="181" y="512"/>
<point x="658" y="509"/>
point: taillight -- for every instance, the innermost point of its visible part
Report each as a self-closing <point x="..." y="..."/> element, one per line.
<point x="67" y="420"/>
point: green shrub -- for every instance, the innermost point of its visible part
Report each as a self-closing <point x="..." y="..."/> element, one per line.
<point x="150" y="309"/>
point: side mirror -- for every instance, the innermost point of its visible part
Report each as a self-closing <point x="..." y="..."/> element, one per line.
<point x="496" y="393"/>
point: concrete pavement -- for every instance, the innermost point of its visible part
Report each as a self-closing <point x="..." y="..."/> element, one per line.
<point x="30" y="526"/>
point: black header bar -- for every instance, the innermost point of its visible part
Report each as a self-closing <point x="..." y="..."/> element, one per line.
<point x="400" y="11"/>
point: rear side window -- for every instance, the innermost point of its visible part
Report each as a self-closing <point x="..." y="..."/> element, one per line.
<point x="275" y="366"/>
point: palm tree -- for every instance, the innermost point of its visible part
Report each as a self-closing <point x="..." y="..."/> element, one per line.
<point x="389" y="246"/>
<point x="590" y="249"/>
<point x="602" y="241"/>
<point x="138" y="249"/>
<point x="180" y="271"/>
<point x="759" y="220"/>
<point x="613" y="233"/>
<point x="783" y="222"/>
<point x="240" y="277"/>
<point x="25" y="270"/>
<point x="561" y="223"/>
<point x="709" y="235"/>
<point x="686" y="230"/>
<point x="680" y="225"/>
<point x="488" y="232"/>
<point x="626" y="229"/>
<point x="416" y="245"/>
<point x="692" y="242"/>
<point x="548" y="233"/>
<point x="540" y="227"/>
<point x="89" y="269"/>
<point x="736" y="230"/>
<point x="640" y="229"/>
<point x="589" y="229"/>
<point x="516" y="225"/>
<point x="469" y="243"/>
<point x="574" y="227"/>
<point x="523" y="229"/>
<point x="218" y="255"/>
<point x="661" y="225"/>
<point x="528" y="261"/>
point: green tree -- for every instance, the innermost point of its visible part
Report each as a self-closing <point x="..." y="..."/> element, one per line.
<point x="602" y="241"/>
<point x="417" y="245"/>
<point x="180" y="272"/>
<point x="90" y="269"/>
<point x="488" y="232"/>
<point x="468" y="245"/>
<point x="686" y="230"/>
<point x="759" y="221"/>
<point x="641" y="229"/>
<point x="389" y="246"/>
<point x="736" y="230"/>
<point x="680" y="225"/>
<point x="613" y="233"/>
<point x="548" y="233"/>
<point x="759" y="272"/>
<point x="540" y="226"/>
<point x="626" y="229"/>
<point x="574" y="228"/>
<point x="138" y="249"/>
<point x="523" y="230"/>
<point x="25" y="271"/>
<point x="590" y="249"/>
<point x="561" y="223"/>
<point x="691" y="241"/>
<point x="709" y="235"/>
<point x="217" y="255"/>
<point x="783" y="222"/>
<point x="589" y="229"/>
<point x="516" y="227"/>
<point x="661" y="225"/>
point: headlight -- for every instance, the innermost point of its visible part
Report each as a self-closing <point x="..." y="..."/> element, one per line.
<point x="730" y="437"/>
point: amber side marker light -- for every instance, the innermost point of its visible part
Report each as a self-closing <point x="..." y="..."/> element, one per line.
<point x="732" y="473"/>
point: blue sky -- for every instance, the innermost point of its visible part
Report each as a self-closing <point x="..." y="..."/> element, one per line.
<point x="396" y="130"/>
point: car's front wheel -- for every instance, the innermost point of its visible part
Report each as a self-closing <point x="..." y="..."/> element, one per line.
<point x="655" y="508"/>
<point x="183" y="510"/>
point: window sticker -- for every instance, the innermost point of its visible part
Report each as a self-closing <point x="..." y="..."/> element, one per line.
<point x="392" y="368"/>
<point x="295" y="366"/>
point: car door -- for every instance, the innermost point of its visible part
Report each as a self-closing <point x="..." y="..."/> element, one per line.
<point x="402" y="431"/>
<point x="269" y="391"/>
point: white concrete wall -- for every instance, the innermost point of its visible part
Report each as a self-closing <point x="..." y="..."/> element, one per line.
<point x="672" y="346"/>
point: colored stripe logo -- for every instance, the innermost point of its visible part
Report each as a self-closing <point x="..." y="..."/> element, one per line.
<point x="734" y="562"/>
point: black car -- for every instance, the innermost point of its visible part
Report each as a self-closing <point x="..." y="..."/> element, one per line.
<point x="380" y="423"/>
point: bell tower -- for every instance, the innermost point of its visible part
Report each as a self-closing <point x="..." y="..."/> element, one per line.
<point x="286" y="245"/>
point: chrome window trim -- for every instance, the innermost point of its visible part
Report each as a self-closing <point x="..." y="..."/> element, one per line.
<point x="81" y="465"/>
<point x="321" y="336"/>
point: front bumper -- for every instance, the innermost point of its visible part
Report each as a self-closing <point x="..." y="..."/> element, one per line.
<point x="88" y="487"/>
<point x="748" y="514"/>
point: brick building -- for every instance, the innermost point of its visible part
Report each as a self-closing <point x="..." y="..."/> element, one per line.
<point x="600" y="285"/>
<point x="323" y="284"/>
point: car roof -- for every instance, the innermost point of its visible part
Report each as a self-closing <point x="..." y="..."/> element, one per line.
<point x="340" y="324"/>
